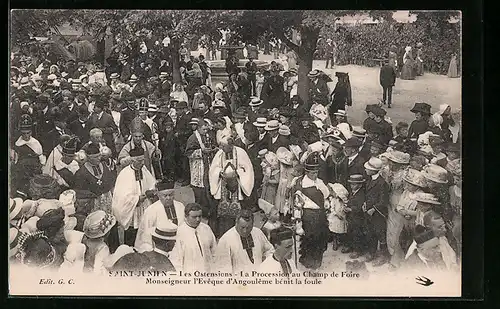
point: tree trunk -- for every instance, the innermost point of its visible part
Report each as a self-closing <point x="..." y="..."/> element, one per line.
<point x="176" y="74"/>
<point x="309" y="38"/>
<point x="305" y="66"/>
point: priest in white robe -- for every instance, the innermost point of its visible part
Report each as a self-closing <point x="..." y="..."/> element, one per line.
<point x="134" y="186"/>
<point x="151" y="152"/>
<point x="281" y="260"/>
<point x="231" y="178"/>
<point x="195" y="245"/>
<point x="244" y="247"/>
<point x="166" y="208"/>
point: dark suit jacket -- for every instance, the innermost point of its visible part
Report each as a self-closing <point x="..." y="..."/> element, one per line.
<point x="334" y="172"/>
<point x="263" y="143"/>
<point x="70" y="115"/>
<point x="127" y="115"/>
<point x="282" y="141"/>
<point x="387" y="76"/>
<point x="108" y="127"/>
<point x="159" y="261"/>
<point x="126" y="72"/>
<point x="319" y="91"/>
<point x="51" y="139"/>
<point x="356" y="166"/>
<point x="355" y="202"/>
<point x="83" y="133"/>
<point x="377" y="195"/>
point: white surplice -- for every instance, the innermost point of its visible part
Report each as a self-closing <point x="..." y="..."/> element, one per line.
<point x="271" y="265"/>
<point x="244" y="169"/>
<point x="231" y="257"/>
<point x="126" y="195"/>
<point x="154" y="214"/>
<point x="187" y="255"/>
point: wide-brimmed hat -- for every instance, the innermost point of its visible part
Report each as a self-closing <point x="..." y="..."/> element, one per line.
<point x="265" y="206"/>
<point x="15" y="237"/>
<point x="398" y="157"/>
<point x="423" y="108"/>
<point x="133" y="78"/>
<point x="284" y="130"/>
<point x="114" y="76"/>
<point x="262" y="153"/>
<point x="435" y="173"/>
<point x="260" y="122"/>
<point x="427" y="198"/>
<point x="194" y="121"/>
<point x="415" y="178"/>
<point x="98" y="223"/>
<point x="153" y="108"/>
<point x="272" y="125"/>
<point x="16" y="205"/>
<point x="356" y="178"/>
<point x="284" y="155"/>
<point x="352" y="142"/>
<point x="455" y="167"/>
<point x="293" y="71"/>
<point x="341" y="112"/>
<point x="374" y="164"/>
<point x="255" y="102"/>
<point x="358" y="132"/>
<point x="166" y="230"/>
<point x="313" y="73"/>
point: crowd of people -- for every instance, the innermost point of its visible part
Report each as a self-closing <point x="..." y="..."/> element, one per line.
<point x="97" y="154"/>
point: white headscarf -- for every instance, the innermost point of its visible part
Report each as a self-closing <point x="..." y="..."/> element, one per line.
<point x="437" y="119"/>
<point x="442" y="108"/>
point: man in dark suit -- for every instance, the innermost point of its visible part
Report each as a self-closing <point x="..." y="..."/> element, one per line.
<point x="355" y="162"/>
<point x="80" y="127"/>
<point x="42" y="123"/>
<point x="275" y="142"/>
<point x="68" y="107"/>
<point x="163" y="242"/>
<point x="182" y="132"/>
<point x="318" y="89"/>
<point x="105" y="122"/>
<point x="273" y="92"/>
<point x="126" y="68"/>
<point x="52" y="137"/>
<point x="376" y="211"/>
<point x="251" y="72"/>
<point x="356" y="233"/>
<point x="387" y="81"/>
<point x="128" y="112"/>
<point x="383" y="130"/>
<point x="333" y="164"/>
<point x="263" y="139"/>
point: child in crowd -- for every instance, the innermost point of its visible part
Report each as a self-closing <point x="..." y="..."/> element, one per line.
<point x="271" y="169"/>
<point x="272" y="221"/>
<point x="337" y="220"/>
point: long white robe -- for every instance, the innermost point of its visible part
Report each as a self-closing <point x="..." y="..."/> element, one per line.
<point x="231" y="257"/>
<point x="244" y="169"/>
<point x="186" y="255"/>
<point x="270" y="265"/>
<point x="54" y="163"/>
<point x="126" y="195"/>
<point x="154" y="214"/>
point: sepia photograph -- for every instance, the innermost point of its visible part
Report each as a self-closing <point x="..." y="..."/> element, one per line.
<point x="254" y="153"/>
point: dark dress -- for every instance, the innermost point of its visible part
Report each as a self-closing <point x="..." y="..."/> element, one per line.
<point x="339" y="98"/>
<point x="418" y="127"/>
<point x="28" y="165"/>
<point x="315" y="225"/>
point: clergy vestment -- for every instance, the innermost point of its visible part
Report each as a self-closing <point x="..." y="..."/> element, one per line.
<point x="149" y="148"/>
<point x="244" y="170"/>
<point x="272" y="265"/>
<point x="129" y="186"/>
<point x="63" y="173"/>
<point x="232" y="257"/>
<point x="199" y="164"/>
<point x="93" y="185"/>
<point x="155" y="213"/>
<point x="194" y="248"/>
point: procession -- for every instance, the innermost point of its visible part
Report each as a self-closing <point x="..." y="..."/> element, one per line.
<point x="99" y="151"/>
